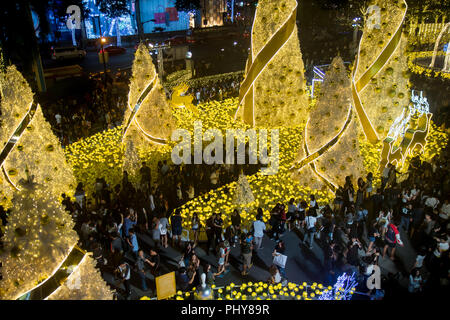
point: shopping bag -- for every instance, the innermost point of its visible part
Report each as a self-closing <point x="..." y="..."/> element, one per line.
<point x="280" y="260"/>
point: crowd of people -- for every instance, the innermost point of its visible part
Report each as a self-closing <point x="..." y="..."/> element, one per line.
<point x="215" y="90"/>
<point x="360" y="230"/>
<point x="101" y="107"/>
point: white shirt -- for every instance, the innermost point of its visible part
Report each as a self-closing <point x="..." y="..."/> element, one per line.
<point x="163" y="223"/>
<point x="432" y="202"/>
<point x="277" y="277"/>
<point x="259" y="227"/>
<point x="213" y="178"/>
<point x="419" y="260"/>
<point x="310" y="222"/>
<point x="58" y="118"/>
<point x="443" y="246"/>
<point x="152" y="203"/>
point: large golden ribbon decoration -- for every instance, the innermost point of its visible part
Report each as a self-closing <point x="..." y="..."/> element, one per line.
<point x="310" y="158"/>
<point x="7" y="149"/>
<point x="361" y="83"/>
<point x="44" y="289"/>
<point x="149" y="88"/>
<point x="255" y="66"/>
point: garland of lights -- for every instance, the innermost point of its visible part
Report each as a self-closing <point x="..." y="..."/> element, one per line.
<point x="310" y="158"/>
<point x="343" y="289"/>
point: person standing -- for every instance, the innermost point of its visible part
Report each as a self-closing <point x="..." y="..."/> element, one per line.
<point x="218" y="224"/>
<point x="146" y="176"/>
<point x="132" y="242"/>
<point x="415" y="281"/>
<point x="392" y="238"/>
<point x="156" y="234"/>
<point x="210" y="232"/>
<point x="310" y="221"/>
<point x="292" y="208"/>
<point x="246" y="250"/>
<point x="163" y="226"/>
<point x="195" y="226"/>
<point x="177" y="227"/>
<point x="236" y="226"/>
<point x="140" y="265"/>
<point x="221" y="262"/>
<point x="116" y="249"/>
<point x="154" y="261"/>
<point x="123" y="273"/>
<point x="259" y="228"/>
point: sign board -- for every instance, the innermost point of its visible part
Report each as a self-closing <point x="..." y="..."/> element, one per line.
<point x="166" y="286"/>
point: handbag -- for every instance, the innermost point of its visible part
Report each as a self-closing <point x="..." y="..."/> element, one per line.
<point x="280" y="260"/>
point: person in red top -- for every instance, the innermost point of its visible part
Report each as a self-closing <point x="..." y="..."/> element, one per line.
<point x="392" y="237"/>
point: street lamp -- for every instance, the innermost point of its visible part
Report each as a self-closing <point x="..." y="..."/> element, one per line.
<point x="102" y="41"/>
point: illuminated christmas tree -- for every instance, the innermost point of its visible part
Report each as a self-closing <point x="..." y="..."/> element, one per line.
<point x="273" y="91"/>
<point x="39" y="245"/>
<point x="332" y="120"/>
<point x="381" y="76"/>
<point x="27" y="141"/>
<point x="39" y="240"/>
<point x="243" y="194"/>
<point x="148" y="119"/>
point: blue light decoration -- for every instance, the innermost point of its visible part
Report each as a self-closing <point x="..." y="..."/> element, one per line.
<point x="127" y="23"/>
<point x="343" y="289"/>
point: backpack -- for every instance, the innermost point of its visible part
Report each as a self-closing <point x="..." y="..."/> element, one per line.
<point x="391" y="234"/>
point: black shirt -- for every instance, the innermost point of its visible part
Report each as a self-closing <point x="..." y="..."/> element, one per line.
<point x="218" y="221"/>
<point x="236" y="220"/>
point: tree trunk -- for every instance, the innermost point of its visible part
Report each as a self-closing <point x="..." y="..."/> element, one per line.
<point x="119" y="41"/>
<point x="436" y="45"/>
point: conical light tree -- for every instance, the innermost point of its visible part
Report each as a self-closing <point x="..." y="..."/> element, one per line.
<point x="27" y="141"/>
<point x="243" y="194"/>
<point x="332" y="119"/>
<point x="381" y="76"/>
<point x="85" y="283"/>
<point x="148" y="120"/>
<point x="273" y="91"/>
<point x="39" y="241"/>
